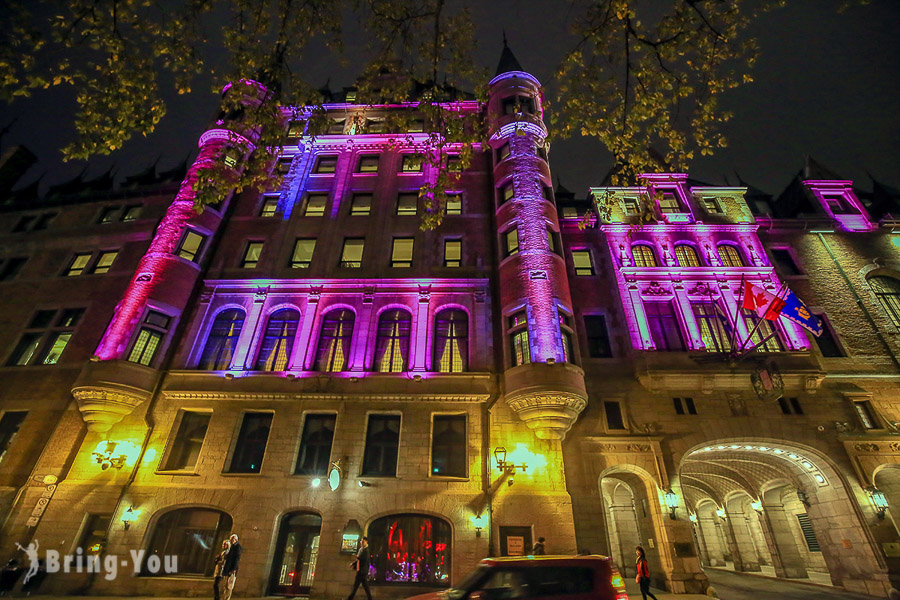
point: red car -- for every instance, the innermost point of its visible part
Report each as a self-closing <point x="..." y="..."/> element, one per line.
<point x="538" y="578"/>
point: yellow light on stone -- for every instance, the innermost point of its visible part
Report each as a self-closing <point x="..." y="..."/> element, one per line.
<point x="523" y="456"/>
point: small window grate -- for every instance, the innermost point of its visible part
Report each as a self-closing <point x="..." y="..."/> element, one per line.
<point x="808" y="534"/>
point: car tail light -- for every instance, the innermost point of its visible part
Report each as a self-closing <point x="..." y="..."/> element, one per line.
<point x="618" y="584"/>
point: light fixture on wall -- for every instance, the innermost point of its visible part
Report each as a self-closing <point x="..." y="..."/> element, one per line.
<point x="693" y="517"/>
<point x="756" y="505"/>
<point x="879" y="500"/>
<point x="109" y="453"/>
<point x="334" y="475"/>
<point x="803" y="498"/>
<point x="479" y="521"/>
<point x="720" y="512"/>
<point x="127" y="517"/>
<point x="671" y="499"/>
<point x="363" y="484"/>
<point x="503" y="464"/>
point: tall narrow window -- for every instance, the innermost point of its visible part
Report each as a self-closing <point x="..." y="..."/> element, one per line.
<point x="503" y="152"/>
<point x="269" y="206"/>
<point x="766" y="336"/>
<point x="866" y="414"/>
<point x="454" y="204"/>
<point x="790" y="406"/>
<point x="506" y="192"/>
<point x="250" y="447"/>
<point x="25" y="349"/>
<point x="392" y="343"/>
<point x="448" y="446"/>
<point x="613" y="411"/>
<point x="351" y="255"/>
<point x="452" y="253"/>
<point x="597" y="336"/>
<point x="191" y="245"/>
<point x="108" y="215"/>
<point x="51" y="329"/>
<point x="153" y="329"/>
<point x="185" y="449"/>
<point x="566" y="335"/>
<point x="451" y="341"/>
<point x="58" y="343"/>
<point x="643" y="255"/>
<point x="278" y="340"/>
<point x="784" y="262"/>
<point x="382" y="444"/>
<point x="315" y="205"/>
<point x="584" y="264"/>
<point x="664" y="327"/>
<point x="315" y="445"/>
<point x="827" y="342"/>
<point x="687" y="256"/>
<point x="251" y="255"/>
<point x="222" y="341"/>
<point x="9" y="427"/>
<point x="402" y="252"/>
<point x="407" y="204"/>
<point x="361" y="205"/>
<point x="333" y="353"/>
<point x="713" y="330"/>
<point x="78" y="264"/>
<point x="730" y="256"/>
<point x="367" y="164"/>
<point x="520" y="347"/>
<point x="511" y="241"/>
<point x="552" y="244"/>
<point x="887" y="290"/>
<point x="303" y="253"/>
<point x="95" y="533"/>
<point x="669" y="203"/>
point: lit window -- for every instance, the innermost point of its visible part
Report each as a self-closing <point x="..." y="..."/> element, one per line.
<point x="664" y="326"/>
<point x="568" y="212"/>
<point x="351" y="255"/>
<point x="105" y="262"/>
<point x="9" y="427"/>
<point x="643" y="255"/>
<point x="713" y="332"/>
<point x="250" y="448"/>
<point x="188" y="441"/>
<point x="278" y="340"/>
<point x="687" y="256"/>
<point x="382" y="444"/>
<point x="251" y="255"/>
<point x="632" y="206"/>
<point x="95" y="533"/>
<point x="416" y="126"/>
<point x="448" y="446"/>
<point x="454" y="204"/>
<point x="361" y="205"/>
<point x="269" y="206"/>
<point x="887" y="290"/>
<point x="367" y="164"/>
<point x="552" y="244"/>
<point x="584" y="263"/>
<point x="506" y="192"/>
<point x="669" y="203"/>
<point x="191" y="245"/>
<point x="325" y="165"/>
<point x="109" y="215"/>
<point x="303" y="253"/>
<point x="78" y="264"/>
<point x="151" y="333"/>
<point x="131" y="213"/>
<point x="565" y="332"/>
<point x="315" y="445"/>
<point x="730" y="256"/>
<point x="333" y="352"/>
<point x="597" y="336"/>
<point x="451" y="345"/>
<point x="392" y="341"/>
<point x="518" y="334"/>
<point x="402" y="252"/>
<point x="866" y="414"/>
<point x="452" y="253"/>
<point x="295" y="129"/>
<point x="25" y="349"/>
<point x="315" y="205"/>
<point x="511" y="242"/>
<point x="58" y="343"/>
<point x="766" y="335"/>
<point x="411" y="164"/>
<point x="407" y="204"/>
<point x="503" y="152"/>
<point x="222" y="341"/>
<point x="428" y="541"/>
<point x="711" y="205"/>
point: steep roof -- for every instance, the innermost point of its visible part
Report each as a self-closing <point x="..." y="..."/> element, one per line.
<point x="508" y="61"/>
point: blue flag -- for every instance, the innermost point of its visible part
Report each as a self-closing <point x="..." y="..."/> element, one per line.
<point x="796" y="311"/>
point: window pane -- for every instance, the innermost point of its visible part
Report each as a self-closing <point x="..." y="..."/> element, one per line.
<point x="451" y="333"/>
<point x="411" y="549"/>
<point x="361" y="204"/>
<point x="278" y="340"/>
<point x="303" y="253"/>
<point x="448" y="446"/>
<point x="315" y="205"/>
<point x="145" y="346"/>
<point x="326" y="164"/>
<point x="826" y="342"/>
<point x="687" y="256"/>
<point x="506" y="192"/>
<point x="411" y="164"/>
<point x="105" y="262"/>
<point x="887" y="290"/>
<point x="644" y="256"/>
<point x="70" y="317"/>
<point x="41" y="319"/>
<point x="157" y="319"/>
<point x="766" y="329"/>
<point x="336" y="127"/>
<point x="109" y="214"/>
<point x="222" y="341"/>
<point x="866" y="416"/>
<point x="597" y="336"/>
<point x="333" y="352"/>
<point x="9" y="427"/>
<point x="407" y="204"/>
<point x="188" y="441"/>
<point x="269" y="206"/>
<point x="664" y="326"/>
<point x="78" y="265"/>
<point x="382" y="442"/>
<point x="191" y="245"/>
<point x="392" y="343"/>
<point x="669" y="203"/>
<point x="511" y="241"/>
<point x="57" y="346"/>
<point x="714" y="329"/>
<point x="614" y="418"/>
<point x="193" y="535"/>
<point x="315" y="445"/>
<point x="11" y="267"/>
<point x="43" y="221"/>
<point x="251" y="443"/>
<point x="96" y="530"/>
<point x="783" y="260"/>
<point x="25" y="349"/>
<point x="584" y="264"/>
<point x="368" y="164"/>
<point x="402" y="252"/>
<point x="452" y="253"/>
<point x="251" y="255"/>
<point x="730" y="256"/>
<point x="454" y="204"/>
<point x="131" y="213"/>
<point x="503" y="152"/>
<point x="521" y="349"/>
<point x="351" y="256"/>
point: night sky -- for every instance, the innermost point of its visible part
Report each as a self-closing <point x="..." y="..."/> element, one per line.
<point x="827" y="84"/>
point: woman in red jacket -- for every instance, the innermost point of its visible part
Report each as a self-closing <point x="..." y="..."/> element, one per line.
<point x="643" y="573"/>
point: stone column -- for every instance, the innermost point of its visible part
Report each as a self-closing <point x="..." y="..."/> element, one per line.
<point x="786" y="557"/>
<point x="743" y="552"/>
<point x="714" y="551"/>
<point x="301" y="352"/>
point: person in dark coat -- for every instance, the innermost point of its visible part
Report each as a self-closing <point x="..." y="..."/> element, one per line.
<point x="362" y="570"/>
<point x="230" y="566"/>
<point x="220" y="565"/>
<point x="538" y="549"/>
<point x="643" y="573"/>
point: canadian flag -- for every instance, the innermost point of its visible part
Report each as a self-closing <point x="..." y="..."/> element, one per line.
<point x="763" y="302"/>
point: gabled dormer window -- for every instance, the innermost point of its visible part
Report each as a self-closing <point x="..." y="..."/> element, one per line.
<point x="669" y="203"/>
<point x="838" y="205"/>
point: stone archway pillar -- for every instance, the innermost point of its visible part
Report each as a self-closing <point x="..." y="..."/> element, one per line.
<point x="743" y="552"/>
<point x="786" y="557"/>
<point x="714" y="551"/>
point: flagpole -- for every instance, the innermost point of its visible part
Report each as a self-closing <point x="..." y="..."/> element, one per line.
<point x="761" y="319"/>
<point x="756" y="347"/>
<point x="734" y="321"/>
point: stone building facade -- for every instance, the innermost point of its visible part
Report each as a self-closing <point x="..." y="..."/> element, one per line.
<point x="307" y="366"/>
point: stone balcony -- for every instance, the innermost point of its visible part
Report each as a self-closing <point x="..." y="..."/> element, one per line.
<point x="108" y="390"/>
<point x="548" y="397"/>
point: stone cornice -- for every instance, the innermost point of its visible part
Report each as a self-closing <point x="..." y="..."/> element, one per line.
<point x="279" y="397"/>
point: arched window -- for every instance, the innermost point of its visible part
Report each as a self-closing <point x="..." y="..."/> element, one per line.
<point x="887" y="290"/>
<point x="392" y="344"/>
<point x="451" y="341"/>
<point x="730" y="256"/>
<point x="194" y="535"/>
<point x="687" y="256"/>
<point x="222" y="341"/>
<point x="334" y="341"/>
<point x="409" y="548"/>
<point x="278" y="340"/>
<point x="643" y="255"/>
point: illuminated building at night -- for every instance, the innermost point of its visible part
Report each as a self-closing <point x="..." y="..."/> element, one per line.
<point x="306" y="366"/>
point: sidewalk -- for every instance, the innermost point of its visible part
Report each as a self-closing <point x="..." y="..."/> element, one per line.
<point x="634" y="593"/>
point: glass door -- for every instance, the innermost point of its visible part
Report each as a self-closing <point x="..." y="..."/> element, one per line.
<point x="294" y="567"/>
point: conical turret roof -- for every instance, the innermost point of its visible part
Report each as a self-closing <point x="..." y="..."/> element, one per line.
<point x="508" y="61"/>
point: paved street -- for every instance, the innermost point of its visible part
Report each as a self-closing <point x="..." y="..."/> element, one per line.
<point x="733" y="586"/>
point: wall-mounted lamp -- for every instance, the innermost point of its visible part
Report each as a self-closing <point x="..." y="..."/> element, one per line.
<point x="479" y="521"/>
<point x="693" y="518"/>
<point x="756" y="505"/>
<point x="114" y="454"/>
<point x="334" y="475"/>
<point x="503" y="464"/>
<point x="127" y="517"/>
<point x="879" y="500"/>
<point x="671" y="499"/>
<point x="803" y="498"/>
<point x="363" y="484"/>
<point x="720" y="512"/>
<point x="316" y="482"/>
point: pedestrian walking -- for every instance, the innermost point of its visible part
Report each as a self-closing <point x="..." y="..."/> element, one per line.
<point x="538" y="549"/>
<point x="220" y="564"/>
<point x="643" y="573"/>
<point x="361" y="564"/>
<point x="230" y="565"/>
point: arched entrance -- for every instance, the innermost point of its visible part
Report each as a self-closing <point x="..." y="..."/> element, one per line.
<point x="296" y="553"/>
<point x="410" y="548"/>
<point x="771" y="506"/>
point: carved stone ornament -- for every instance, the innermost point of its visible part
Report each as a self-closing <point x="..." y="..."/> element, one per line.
<point x="261" y="294"/>
<point x="655" y="289"/>
<point x="866" y="447"/>
<point x="550" y="416"/>
<point x="843" y="427"/>
<point x="895" y="446"/>
<point x="315" y="291"/>
<point x="737" y="405"/>
<point x="101" y="408"/>
<point x="702" y="289"/>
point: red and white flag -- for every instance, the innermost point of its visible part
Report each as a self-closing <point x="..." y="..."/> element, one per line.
<point x="766" y="304"/>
